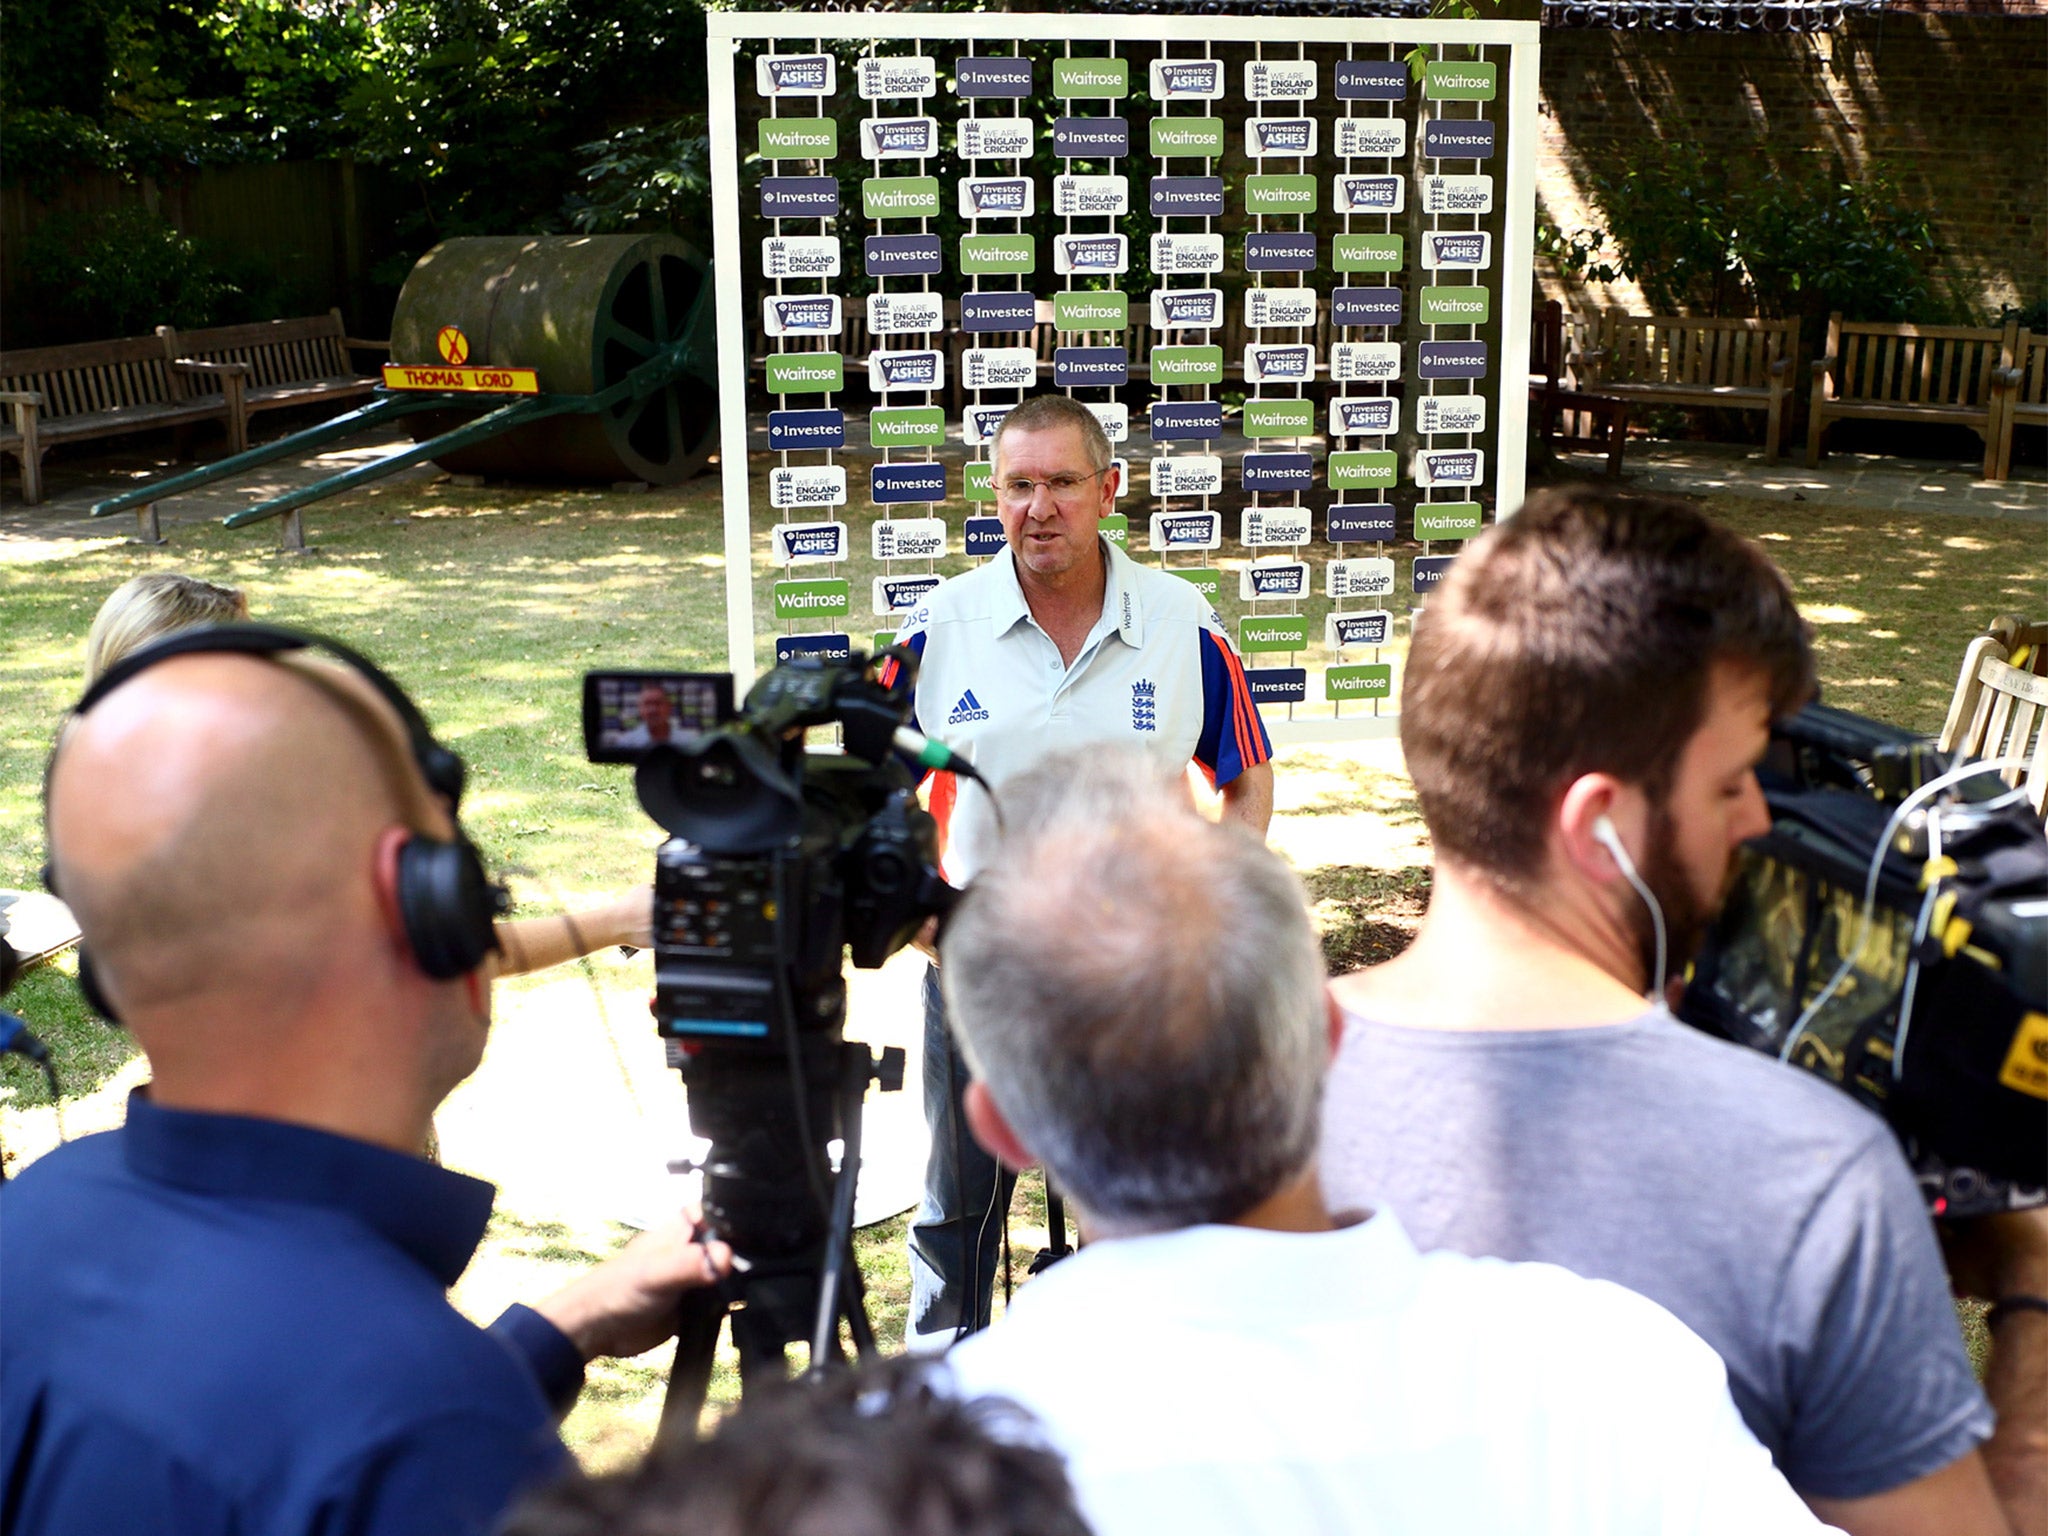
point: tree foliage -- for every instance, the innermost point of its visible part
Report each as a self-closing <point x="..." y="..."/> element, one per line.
<point x="1698" y="236"/>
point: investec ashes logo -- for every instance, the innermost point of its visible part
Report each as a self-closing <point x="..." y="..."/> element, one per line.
<point x="1280" y="365"/>
<point x="978" y="423"/>
<point x="1280" y="135"/>
<point x="1181" y="81"/>
<point x="809" y="316"/>
<point x="802" y="74"/>
<point x="1003" y="197"/>
<point x="1187" y="530"/>
<point x="1283" y="578"/>
<point x="1091" y="253"/>
<point x="804" y="543"/>
<point x="899" y="138"/>
<point x="1374" y="417"/>
<point x="1189" y="309"/>
<point x="906" y="370"/>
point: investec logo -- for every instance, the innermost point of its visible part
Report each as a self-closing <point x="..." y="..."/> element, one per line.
<point x="1203" y="78"/>
<point x="968" y="709"/>
<point x="900" y="137"/>
<point x="1000" y="196"/>
<point x="906" y="370"/>
<point x="1280" y="135"/>
<point x="797" y="75"/>
<point x="1190" y="309"/>
<point x="1349" y="629"/>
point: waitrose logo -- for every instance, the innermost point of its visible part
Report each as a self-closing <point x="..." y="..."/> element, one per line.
<point x="806" y="138"/>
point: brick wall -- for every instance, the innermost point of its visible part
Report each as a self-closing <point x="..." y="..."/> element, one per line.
<point x="1955" y="105"/>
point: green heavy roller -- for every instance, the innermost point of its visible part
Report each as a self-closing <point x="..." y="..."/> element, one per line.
<point x="583" y="311"/>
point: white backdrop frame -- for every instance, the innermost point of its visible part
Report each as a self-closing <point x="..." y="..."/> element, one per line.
<point x="728" y="29"/>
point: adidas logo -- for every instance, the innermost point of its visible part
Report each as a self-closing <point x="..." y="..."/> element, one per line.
<point x="969" y="708"/>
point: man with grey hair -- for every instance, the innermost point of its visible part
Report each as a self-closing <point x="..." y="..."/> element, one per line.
<point x="1058" y="642"/>
<point x="1227" y="1354"/>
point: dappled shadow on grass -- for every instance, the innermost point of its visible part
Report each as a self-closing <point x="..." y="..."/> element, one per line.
<point x="1366" y="915"/>
<point x="1895" y="598"/>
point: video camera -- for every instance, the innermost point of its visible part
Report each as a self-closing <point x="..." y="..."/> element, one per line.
<point x="781" y="860"/>
<point x="1890" y="933"/>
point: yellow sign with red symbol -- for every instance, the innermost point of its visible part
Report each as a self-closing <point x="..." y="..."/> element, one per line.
<point x="457" y="374"/>
<point x="2026" y="1064"/>
<point x="462" y="380"/>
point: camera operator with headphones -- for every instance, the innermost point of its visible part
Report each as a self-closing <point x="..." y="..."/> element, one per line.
<point x="1586" y="702"/>
<point x="230" y="1314"/>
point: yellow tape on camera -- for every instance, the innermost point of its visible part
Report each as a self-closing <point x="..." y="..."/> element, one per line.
<point x="2026" y="1064"/>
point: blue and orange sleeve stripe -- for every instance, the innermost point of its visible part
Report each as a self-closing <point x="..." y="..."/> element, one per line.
<point x="1233" y="737"/>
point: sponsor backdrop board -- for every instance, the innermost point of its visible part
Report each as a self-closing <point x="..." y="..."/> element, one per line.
<point x="1286" y="262"/>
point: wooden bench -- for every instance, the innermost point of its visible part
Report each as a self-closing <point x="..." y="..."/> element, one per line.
<point x="1678" y="360"/>
<point x="2023" y="396"/>
<point x="1597" y="421"/>
<point x="282" y="363"/>
<point x="97" y="389"/>
<point x="1885" y="371"/>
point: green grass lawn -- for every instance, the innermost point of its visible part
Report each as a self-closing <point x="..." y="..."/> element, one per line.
<point x="488" y="604"/>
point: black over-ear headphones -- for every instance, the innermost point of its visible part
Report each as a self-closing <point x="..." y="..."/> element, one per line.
<point x="446" y="900"/>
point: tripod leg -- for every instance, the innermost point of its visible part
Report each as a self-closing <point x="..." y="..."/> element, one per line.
<point x="838" y="1284"/>
<point x="689" y="1378"/>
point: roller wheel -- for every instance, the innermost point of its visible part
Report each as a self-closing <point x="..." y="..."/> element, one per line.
<point x="583" y="311"/>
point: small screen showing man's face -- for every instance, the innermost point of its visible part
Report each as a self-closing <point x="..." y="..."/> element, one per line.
<point x="627" y="713"/>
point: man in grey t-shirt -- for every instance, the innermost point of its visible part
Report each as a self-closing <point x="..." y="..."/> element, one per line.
<point x="1589" y="692"/>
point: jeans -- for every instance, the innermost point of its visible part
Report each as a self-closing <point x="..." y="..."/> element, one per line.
<point x="966" y="1198"/>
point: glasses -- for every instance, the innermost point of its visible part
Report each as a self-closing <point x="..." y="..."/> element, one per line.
<point x="1066" y="489"/>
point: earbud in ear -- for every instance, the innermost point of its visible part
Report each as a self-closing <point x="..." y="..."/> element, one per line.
<point x="1606" y="836"/>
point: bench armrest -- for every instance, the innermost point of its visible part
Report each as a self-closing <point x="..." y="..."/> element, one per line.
<point x="23" y="397"/>
<point x="1820" y="365"/>
<point x="1780" y="368"/>
<point x="225" y="370"/>
<point x="357" y="344"/>
<point x="2007" y="376"/>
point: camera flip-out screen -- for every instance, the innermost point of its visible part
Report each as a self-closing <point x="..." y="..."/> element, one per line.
<point x="625" y="713"/>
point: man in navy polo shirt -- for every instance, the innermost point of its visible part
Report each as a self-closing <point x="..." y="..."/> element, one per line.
<point x="1058" y="642"/>
<point x="230" y="1315"/>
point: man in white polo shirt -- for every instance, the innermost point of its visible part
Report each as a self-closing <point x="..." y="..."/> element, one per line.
<point x="1060" y="641"/>
<point x="1141" y="996"/>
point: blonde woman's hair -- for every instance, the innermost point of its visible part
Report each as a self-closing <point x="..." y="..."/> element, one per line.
<point x="146" y="608"/>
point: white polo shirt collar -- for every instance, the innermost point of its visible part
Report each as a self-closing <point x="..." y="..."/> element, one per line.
<point x="1122" y="608"/>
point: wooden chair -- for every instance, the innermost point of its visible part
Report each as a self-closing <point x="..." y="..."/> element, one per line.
<point x="2001" y="703"/>
<point x="1600" y="421"/>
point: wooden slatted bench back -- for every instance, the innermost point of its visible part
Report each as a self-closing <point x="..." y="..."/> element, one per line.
<point x="1894" y="371"/>
<point x="276" y="352"/>
<point x="1740" y="364"/>
<point x="89" y="377"/>
<point x="2001" y="704"/>
<point x="1679" y="352"/>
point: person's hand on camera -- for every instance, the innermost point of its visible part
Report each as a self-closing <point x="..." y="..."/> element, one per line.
<point x="1994" y="1256"/>
<point x="629" y="918"/>
<point x="927" y="941"/>
<point x="628" y="1304"/>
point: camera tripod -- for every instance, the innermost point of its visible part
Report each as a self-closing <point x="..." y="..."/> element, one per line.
<point x="795" y="1296"/>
